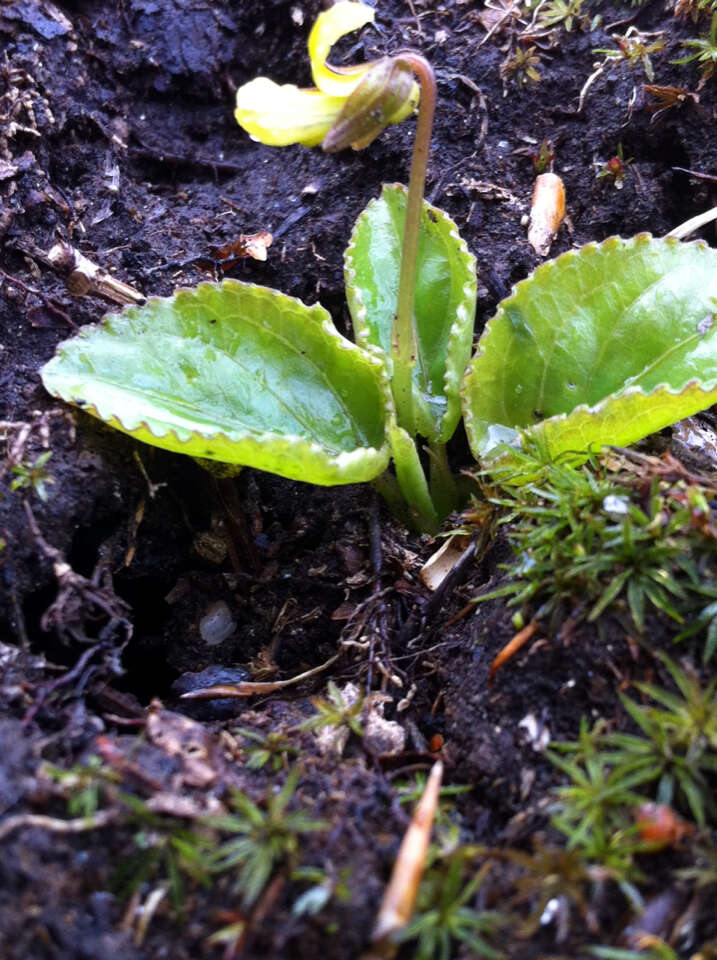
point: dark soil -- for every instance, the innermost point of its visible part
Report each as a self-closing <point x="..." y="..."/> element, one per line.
<point x="117" y="134"/>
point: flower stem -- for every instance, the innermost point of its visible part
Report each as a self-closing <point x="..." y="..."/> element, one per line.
<point x="403" y="335"/>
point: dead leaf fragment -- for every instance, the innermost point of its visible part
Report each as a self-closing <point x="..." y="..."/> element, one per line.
<point x="181" y="737"/>
<point x="252" y="245"/>
<point x="547" y="212"/>
<point x="435" y="570"/>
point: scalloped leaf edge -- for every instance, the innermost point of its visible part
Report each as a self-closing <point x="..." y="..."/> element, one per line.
<point x="354" y="466"/>
<point x="504" y="438"/>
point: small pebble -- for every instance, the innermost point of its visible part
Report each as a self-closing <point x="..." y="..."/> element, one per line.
<point x="217" y="624"/>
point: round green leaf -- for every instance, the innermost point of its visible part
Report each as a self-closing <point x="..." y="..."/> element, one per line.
<point x="601" y="346"/>
<point x="444" y="306"/>
<point x="236" y="373"/>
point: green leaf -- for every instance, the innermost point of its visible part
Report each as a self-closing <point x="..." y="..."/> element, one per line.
<point x="601" y="346"/>
<point x="236" y="373"/>
<point x="444" y="306"/>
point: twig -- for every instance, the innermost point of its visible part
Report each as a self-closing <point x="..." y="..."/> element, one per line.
<point x="266" y="903"/>
<point x="47" y="302"/>
<point x="240" y="543"/>
<point x="77" y="597"/>
<point x="696" y="173"/>
<point x="496" y="27"/>
<point x="694" y="223"/>
<point x="102" y="818"/>
<point x="249" y="689"/>
<point x="416" y="622"/>
<point x="62" y="681"/>
<point x="511" y="648"/>
<point x="621" y="23"/>
<point x="83" y="277"/>
<point x="234" y="206"/>
<point x="376" y="548"/>
<point x="598" y="72"/>
<point x="415" y="17"/>
<point x="288" y="222"/>
<point x="146" y="912"/>
<point x="165" y="156"/>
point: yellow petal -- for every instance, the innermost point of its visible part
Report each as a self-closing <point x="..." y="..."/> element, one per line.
<point x="279" y="115"/>
<point x="330" y="26"/>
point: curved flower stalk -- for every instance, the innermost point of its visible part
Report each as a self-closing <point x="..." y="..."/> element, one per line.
<point x="248" y="376"/>
<point x="349" y="106"/>
<point x="602" y="345"/>
<point x="422" y="326"/>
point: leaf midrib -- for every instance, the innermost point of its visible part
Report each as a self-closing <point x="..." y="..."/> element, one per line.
<point x="305" y="357"/>
<point x="208" y="312"/>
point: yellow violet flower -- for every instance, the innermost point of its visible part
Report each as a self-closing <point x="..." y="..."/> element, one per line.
<point x="349" y="106"/>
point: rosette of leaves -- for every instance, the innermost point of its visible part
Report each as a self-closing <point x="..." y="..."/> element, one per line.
<point x="245" y="375"/>
<point x="242" y="374"/>
<point x="603" y="345"/>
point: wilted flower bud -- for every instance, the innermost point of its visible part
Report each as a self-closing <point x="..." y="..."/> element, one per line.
<point x="386" y="94"/>
<point x="349" y="105"/>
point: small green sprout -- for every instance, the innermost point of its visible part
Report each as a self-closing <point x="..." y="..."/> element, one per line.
<point x="611" y="774"/>
<point x="635" y="48"/>
<point x="273" y="748"/>
<point x="336" y="712"/>
<point x="521" y="67"/>
<point x="693" y="8"/>
<point x="410" y="792"/>
<point x="165" y="850"/>
<point x="555" y="12"/>
<point x="593" y="810"/>
<point x="666" y="99"/>
<point x="615" y="169"/>
<point x="678" y="746"/>
<point x="447" y="911"/>
<point x="705" y="53"/>
<point x="447" y="825"/>
<point x="326" y="885"/>
<point x="599" y="794"/>
<point x="264" y="838"/>
<point x="84" y="785"/>
<point x="33" y="475"/>
<point x="543" y="157"/>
